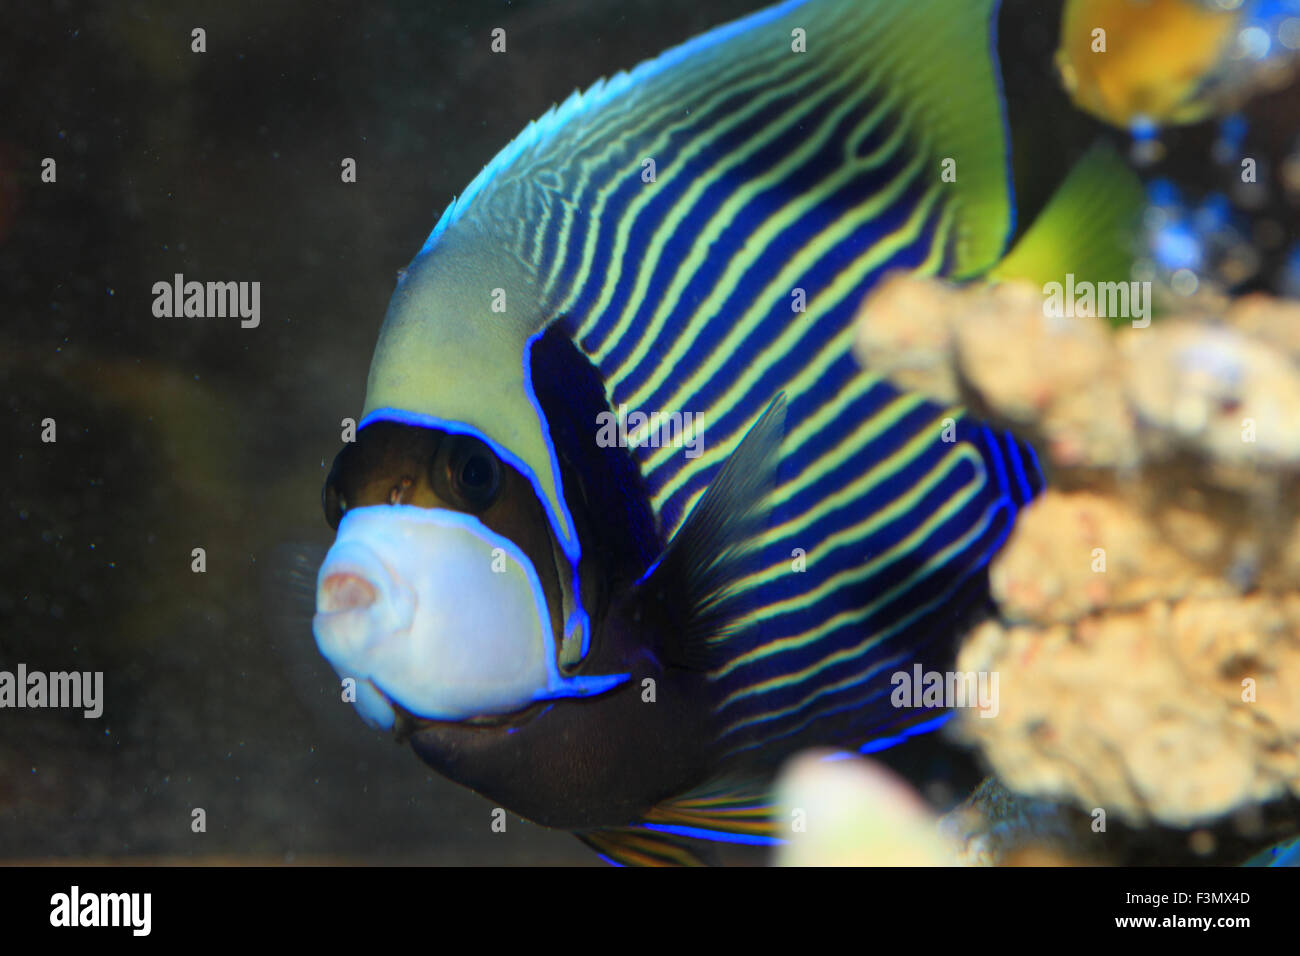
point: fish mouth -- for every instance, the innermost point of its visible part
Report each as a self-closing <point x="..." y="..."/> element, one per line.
<point x="412" y="602"/>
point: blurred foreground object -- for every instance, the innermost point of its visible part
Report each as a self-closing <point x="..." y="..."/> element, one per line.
<point x="1149" y="641"/>
<point x="846" y="811"/>
<point x="1143" y="64"/>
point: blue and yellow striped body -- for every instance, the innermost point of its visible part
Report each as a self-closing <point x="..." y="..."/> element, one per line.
<point x="680" y="291"/>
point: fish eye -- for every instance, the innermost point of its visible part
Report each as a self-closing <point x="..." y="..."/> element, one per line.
<point x="474" y="473"/>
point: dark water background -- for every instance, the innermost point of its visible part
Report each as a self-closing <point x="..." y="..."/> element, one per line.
<point x="182" y="433"/>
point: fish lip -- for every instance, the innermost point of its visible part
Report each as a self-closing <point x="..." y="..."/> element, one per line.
<point x="398" y="603"/>
<point x="360" y="560"/>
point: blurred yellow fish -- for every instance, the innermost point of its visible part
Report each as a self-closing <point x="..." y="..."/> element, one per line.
<point x="1138" y="62"/>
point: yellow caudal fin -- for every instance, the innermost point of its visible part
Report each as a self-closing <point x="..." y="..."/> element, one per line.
<point x="1088" y="229"/>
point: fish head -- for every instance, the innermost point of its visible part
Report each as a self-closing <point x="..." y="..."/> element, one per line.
<point x="442" y="596"/>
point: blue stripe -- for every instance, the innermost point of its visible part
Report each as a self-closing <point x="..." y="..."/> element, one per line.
<point x="714" y="836"/>
<point x="884" y="743"/>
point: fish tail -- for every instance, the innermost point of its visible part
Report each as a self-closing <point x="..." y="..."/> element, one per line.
<point x="1086" y="229"/>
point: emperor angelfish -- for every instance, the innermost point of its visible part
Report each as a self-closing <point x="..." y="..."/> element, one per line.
<point x="618" y="623"/>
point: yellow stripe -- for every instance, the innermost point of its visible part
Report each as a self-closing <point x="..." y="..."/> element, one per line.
<point x="857" y="650"/>
<point x="753" y="247"/>
<point x="616" y="136"/>
<point x="790" y="530"/>
<point x="963" y="452"/>
<point x="844" y="283"/>
<point x="811" y="375"/>
<point x="862" y="573"/>
<point x="627" y="221"/>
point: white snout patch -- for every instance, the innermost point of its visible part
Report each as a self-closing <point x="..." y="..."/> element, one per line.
<point x="432" y="610"/>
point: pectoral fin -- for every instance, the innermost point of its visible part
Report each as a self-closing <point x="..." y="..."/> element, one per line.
<point x="708" y="554"/>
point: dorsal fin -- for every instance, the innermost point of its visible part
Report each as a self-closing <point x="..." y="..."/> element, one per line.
<point x="709" y="551"/>
<point x="936" y="59"/>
